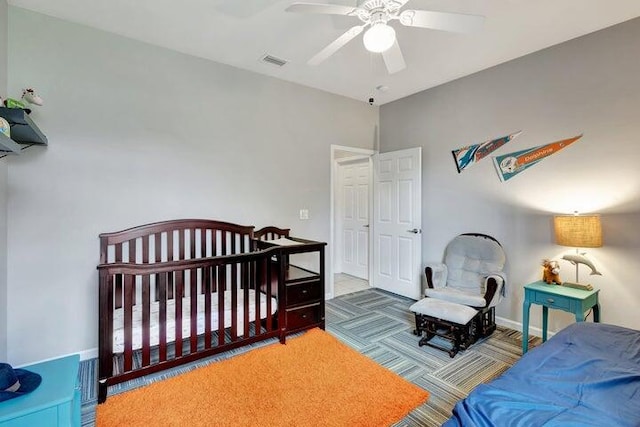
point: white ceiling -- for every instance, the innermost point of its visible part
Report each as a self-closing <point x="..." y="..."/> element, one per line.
<point x="241" y="32"/>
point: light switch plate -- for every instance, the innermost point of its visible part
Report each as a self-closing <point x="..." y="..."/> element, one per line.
<point x="304" y="213"/>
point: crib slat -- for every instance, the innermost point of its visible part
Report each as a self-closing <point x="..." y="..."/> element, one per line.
<point x="206" y="282"/>
<point x="118" y="279"/>
<point x="245" y="281"/>
<point x="157" y="245"/>
<point x="146" y="319"/>
<point x="253" y="278"/>
<point x="220" y="279"/>
<point x="170" y="251"/>
<point x="178" y="295"/>
<point x="133" y="246"/>
<point x="192" y="242"/>
<point x="233" y="287"/>
<point x="267" y="280"/>
<point x="233" y="237"/>
<point x="193" y="296"/>
<point x="128" y="320"/>
<point x="171" y="257"/>
<point x="203" y="243"/>
<point x="162" y="316"/>
<point x="223" y="242"/>
<point x="181" y="251"/>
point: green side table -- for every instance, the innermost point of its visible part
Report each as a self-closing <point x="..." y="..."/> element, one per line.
<point x="576" y="301"/>
<point x="55" y="403"/>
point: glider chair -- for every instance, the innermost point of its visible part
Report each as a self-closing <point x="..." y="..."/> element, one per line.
<point x="462" y="293"/>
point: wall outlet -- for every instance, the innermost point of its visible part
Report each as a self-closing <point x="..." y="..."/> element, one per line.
<point x="304" y="213"/>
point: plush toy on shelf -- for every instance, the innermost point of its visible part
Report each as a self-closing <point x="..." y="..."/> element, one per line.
<point x="31" y="96"/>
<point x="551" y="272"/>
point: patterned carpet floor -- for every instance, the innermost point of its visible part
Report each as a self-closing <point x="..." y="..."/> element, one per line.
<point x="379" y="325"/>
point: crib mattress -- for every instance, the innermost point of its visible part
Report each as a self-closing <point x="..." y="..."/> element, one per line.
<point x="118" y="318"/>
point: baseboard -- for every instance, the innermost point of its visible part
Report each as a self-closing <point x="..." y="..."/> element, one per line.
<point x="92" y="353"/>
<point x="84" y="355"/>
<point x="533" y="331"/>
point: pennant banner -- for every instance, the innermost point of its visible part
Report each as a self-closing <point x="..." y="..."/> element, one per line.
<point x="509" y="165"/>
<point x="468" y="156"/>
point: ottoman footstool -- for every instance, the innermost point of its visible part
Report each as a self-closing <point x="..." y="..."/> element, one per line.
<point x="455" y="323"/>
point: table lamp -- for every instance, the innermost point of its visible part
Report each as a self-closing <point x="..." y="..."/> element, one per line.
<point x="578" y="231"/>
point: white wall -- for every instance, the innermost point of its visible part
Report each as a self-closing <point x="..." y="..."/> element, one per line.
<point x="588" y="85"/>
<point x="139" y="134"/>
<point x="3" y="188"/>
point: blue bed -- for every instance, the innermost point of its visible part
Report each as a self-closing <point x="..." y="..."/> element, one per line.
<point x="586" y="375"/>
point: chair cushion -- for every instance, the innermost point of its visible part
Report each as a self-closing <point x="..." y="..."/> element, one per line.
<point x="469" y="260"/>
<point x="458" y="296"/>
<point x="456" y="313"/>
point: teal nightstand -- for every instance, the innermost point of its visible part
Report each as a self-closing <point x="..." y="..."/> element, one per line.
<point x="575" y="301"/>
<point x="56" y="402"/>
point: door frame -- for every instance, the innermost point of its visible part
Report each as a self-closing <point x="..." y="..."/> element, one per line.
<point x="353" y="154"/>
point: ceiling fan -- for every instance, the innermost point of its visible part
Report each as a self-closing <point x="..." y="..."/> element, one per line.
<point x="380" y="37"/>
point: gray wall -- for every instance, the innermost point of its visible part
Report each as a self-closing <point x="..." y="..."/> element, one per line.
<point x="3" y="187"/>
<point x="588" y="85"/>
<point x="139" y="134"/>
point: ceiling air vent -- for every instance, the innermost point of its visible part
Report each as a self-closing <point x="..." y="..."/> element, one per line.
<point x="273" y="60"/>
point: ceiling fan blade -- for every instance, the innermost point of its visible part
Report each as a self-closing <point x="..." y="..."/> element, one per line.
<point x="335" y="45"/>
<point x="393" y="59"/>
<point x="455" y="22"/>
<point x="328" y="9"/>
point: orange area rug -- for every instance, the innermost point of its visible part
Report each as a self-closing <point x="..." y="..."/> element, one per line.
<point x="313" y="380"/>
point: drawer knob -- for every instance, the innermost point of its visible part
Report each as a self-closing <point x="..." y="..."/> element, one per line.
<point x="305" y="291"/>
<point x="550" y="300"/>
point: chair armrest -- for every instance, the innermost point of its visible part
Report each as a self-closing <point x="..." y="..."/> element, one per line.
<point x="436" y="274"/>
<point x="493" y="289"/>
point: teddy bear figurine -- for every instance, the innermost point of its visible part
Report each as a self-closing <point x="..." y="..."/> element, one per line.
<point x="551" y="272"/>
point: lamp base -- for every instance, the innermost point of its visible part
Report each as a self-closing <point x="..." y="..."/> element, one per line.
<point x="575" y="285"/>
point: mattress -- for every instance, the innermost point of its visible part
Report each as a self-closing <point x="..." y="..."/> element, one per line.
<point x="118" y="318"/>
<point x="588" y="374"/>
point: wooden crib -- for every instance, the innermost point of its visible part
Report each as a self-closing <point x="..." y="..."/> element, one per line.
<point x="176" y="291"/>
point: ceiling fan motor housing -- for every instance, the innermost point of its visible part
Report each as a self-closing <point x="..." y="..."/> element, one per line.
<point x="378" y="11"/>
<point x="389" y="5"/>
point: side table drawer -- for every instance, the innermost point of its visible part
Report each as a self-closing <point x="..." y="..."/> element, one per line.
<point x="552" y="301"/>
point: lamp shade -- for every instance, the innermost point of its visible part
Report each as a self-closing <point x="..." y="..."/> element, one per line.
<point x="379" y="37"/>
<point x="578" y="231"/>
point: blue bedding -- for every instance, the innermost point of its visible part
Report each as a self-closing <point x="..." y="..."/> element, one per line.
<point x="586" y="375"/>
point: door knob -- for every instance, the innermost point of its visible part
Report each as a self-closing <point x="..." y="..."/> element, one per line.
<point x="366" y="226"/>
<point x="415" y="231"/>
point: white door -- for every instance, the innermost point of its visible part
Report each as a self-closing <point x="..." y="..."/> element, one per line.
<point x="397" y="222"/>
<point x="354" y="218"/>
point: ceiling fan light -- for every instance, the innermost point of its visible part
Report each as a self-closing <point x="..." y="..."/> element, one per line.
<point x="379" y="37"/>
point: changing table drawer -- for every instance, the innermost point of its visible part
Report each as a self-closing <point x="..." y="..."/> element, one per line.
<point x="303" y="316"/>
<point x="305" y="292"/>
